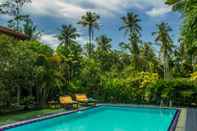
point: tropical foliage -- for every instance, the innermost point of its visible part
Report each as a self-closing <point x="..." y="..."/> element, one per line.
<point x="31" y="73"/>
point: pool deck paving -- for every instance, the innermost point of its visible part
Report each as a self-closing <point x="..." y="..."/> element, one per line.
<point x="191" y="120"/>
<point x="181" y="121"/>
<point x="187" y="120"/>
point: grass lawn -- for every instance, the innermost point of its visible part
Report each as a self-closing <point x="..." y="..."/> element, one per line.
<point x="11" y="118"/>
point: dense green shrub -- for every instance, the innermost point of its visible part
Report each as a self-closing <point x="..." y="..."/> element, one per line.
<point x="178" y="92"/>
<point x="132" y="89"/>
<point x="26" y="70"/>
<point x="182" y="92"/>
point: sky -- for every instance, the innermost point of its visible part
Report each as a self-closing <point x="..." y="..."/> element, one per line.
<point x="49" y="15"/>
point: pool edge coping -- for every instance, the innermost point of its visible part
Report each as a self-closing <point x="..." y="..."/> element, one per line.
<point x="172" y="126"/>
<point x="29" y="121"/>
<point x="174" y="121"/>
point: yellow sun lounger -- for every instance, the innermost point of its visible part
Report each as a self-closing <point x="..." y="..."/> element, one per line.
<point x="67" y="101"/>
<point x="83" y="99"/>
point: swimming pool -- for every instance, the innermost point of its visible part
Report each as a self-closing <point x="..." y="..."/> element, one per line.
<point x="106" y="118"/>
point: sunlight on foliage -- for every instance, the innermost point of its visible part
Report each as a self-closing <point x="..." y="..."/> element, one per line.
<point x="194" y="76"/>
<point x="147" y="78"/>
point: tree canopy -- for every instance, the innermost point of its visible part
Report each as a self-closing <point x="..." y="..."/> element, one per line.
<point x="32" y="73"/>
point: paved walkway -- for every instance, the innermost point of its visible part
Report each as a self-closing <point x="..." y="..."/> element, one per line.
<point x="182" y="120"/>
<point x="187" y="120"/>
<point x="191" y="119"/>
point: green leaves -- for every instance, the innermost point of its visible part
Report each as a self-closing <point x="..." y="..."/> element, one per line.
<point x="132" y="28"/>
<point x="163" y="37"/>
<point x="90" y="20"/>
<point x="131" y="23"/>
<point x="30" y="29"/>
<point x="171" y="2"/>
<point x="188" y="9"/>
<point x="68" y="35"/>
<point x="176" y="90"/>
<point x="13" y="8"/>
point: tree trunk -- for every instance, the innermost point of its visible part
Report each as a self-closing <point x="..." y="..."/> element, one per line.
<point x="43" y="97"/>
<point x="17" y="15"/>
<point x="90" y="41"/>
<point x="37" y="95"/>
<point x="18" y="94"/>
<point x="166" y="66"/>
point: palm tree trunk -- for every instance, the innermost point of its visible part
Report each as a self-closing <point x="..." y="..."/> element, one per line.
<point x="90" y="34"/>
<point x="44" y="96"/>
<point x="17" y="15"/>
<point x="90" y="40"/>
<point x="18" y="94"/>
<point x="166" y="66"/>
<point x="67" y="43"/>
<point x="43" y="100"/>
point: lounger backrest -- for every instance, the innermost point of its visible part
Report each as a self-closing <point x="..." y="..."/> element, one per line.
<point x="65" y="99"/>
<point x="81" y="97"/>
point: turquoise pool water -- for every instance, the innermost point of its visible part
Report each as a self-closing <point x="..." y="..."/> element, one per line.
<point x="106" y="118"/>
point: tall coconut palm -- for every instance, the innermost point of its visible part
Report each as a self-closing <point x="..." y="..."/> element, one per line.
<point x="68" y="34"/>
<point x="135" y="51"/>
<point x="103" y="53"/>
<point x="90" y="20"/>
<point x="131" y="24"/>
<point x="163" y="37"/>
<point x="104" y="43"/>
<point x="132" y="28"/>
<point x="148" y="57"/>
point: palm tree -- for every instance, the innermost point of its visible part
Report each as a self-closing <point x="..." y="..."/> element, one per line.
<point x="189" y="12"/>
<point x="68" y="34"/>
<point x="148" y="57"/>
<point x="184" y="6"/>
<point x="135" y="51"/>
<point x="90" y="20"/>
<point x="30" y="29"/>
<point x="104" y="43"/>
<point x="131" y="24"/>
<point x="132" y="27"/>
<point x="162" y="36"/>
<point x="103" y="53"/>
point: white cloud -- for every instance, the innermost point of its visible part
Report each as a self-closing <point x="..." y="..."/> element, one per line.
<point x="50" y="40"/>
<point x="82" y="40"/>
<point x="158" y="11"/>
<point x="73" y="9"/>
<point x="55" y="8"/>
<point x="154" y="8"/>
